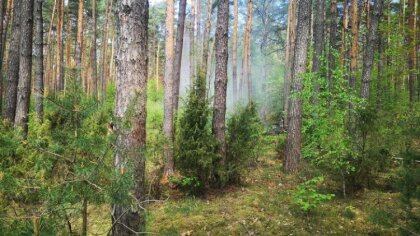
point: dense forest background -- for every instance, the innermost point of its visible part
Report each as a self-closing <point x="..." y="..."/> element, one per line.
<point x="218" y="117"/>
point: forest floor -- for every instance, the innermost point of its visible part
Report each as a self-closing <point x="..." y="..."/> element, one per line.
<point x="264" y="205"/>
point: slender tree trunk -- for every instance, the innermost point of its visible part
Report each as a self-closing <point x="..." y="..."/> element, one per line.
<point x="333" y="38"/>
<point x="1" y="55"/>
<point x="380" y="90"/>
<point x="157" y="66"/>
<point x="25" y="66"/>
<point x="411" y="40"/>
<point x="354" y="44"/>
<point x="344" y="32"/>
<point x="178" y="50"/>
<point x="131" y="93"/>
<point x="59" y="58"/>
<point x="39" y="61"/>
<point x="94" y="57"/>
<point x="79" y="40"/>
<point x="318" y="36"/>
<point x="192" y="43"/>
<point x="13" y="64"/>
<point x="293" y="145"/>
<point x="220" y="81"/>
<point x="50" y="55"/>
<point x="198" y="21"/>
<point x="372" y="40"/>
<point x="68" y="45"/>
<point x="290" y="52"/>
<point x="206" y="39"/>
<point x="104" y="61"/>
<point x="248" y="50"/>
<point x="168" y="123"/>
<point x="235" y="52"/>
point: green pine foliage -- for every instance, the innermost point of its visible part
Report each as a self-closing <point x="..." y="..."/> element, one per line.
<point x="63" y="161"/>
<point x="195" y="144"/>
<point x="244" y="142"/>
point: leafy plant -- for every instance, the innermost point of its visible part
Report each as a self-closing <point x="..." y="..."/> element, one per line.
<point x="307" y="196"/>
<point x="190" y="184"/>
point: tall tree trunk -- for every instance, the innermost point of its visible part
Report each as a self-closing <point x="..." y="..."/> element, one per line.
<point x="50" y="55"/>
<point x="293" y="145"/>
<point x="411" y="39"/>
<point x="13" y="64"/>
<point x="25" y="66"/>
<point x="344" y="32"/>
<point x="380" y="90"/>
<point x="59" y="58"/>
<point x="333" y="38"/>
<point x="104" y="61"/>
<point x="168" y="123"/>
<point x="131" y="93"/>
<point x="198" y="21"/>
<point x="319" y="25"/>
<point x="39" y="61"/>
<point x="79" y="40"/>
<point x="1" y="55"/>
<point x="94" y="57"/>
<point x="178" y="50"/>
<point x="157" y="66"/>
<point x="289" y="57"/>
<point x="220" y="81"/>
<point x="248" y="50"/>
<point x="354" y="44"/>
<point x="206" y="38"/>
<point x="372" y="41"/>
<point x="235" y="51"/>
<point x="192" y="44"/>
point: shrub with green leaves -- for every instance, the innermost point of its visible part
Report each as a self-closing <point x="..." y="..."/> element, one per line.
<point x="307" y="196"/>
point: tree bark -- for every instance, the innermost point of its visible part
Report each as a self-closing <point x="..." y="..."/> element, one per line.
<point x="411" y="40"/>
<point x="380" y="90"/>
<point x="206" y="39"/>
<point x="130" y="106"/>
<point x="39" y="61"/>
<point x="1" y="55"/>
<point x="235" y="51"/>
<point x="168" y="123"/>
<point x="220" y="81"/>
<point x="344" y="32"/>
<point x="13" y="64"/>
<point x="178" y="51"/>
<point x="198" y="22"/>
<point x="249" y="50"/>
<point x="293" y="145"/>
<point x="192" y="44"/>
<point x="333" y="38"/>
<point x="79" y="40"/>
<point x="372" y="40"/>
<point x="50" y="54"/>
<point x="354" y="44"/>
<point x="59" y="78"/>
<point x="25" y="66"/>
<point x="94" y="66"/>
<point x="104" y="61"/>
<point x="289" y="57"/>
<point x="318" y="36"/>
